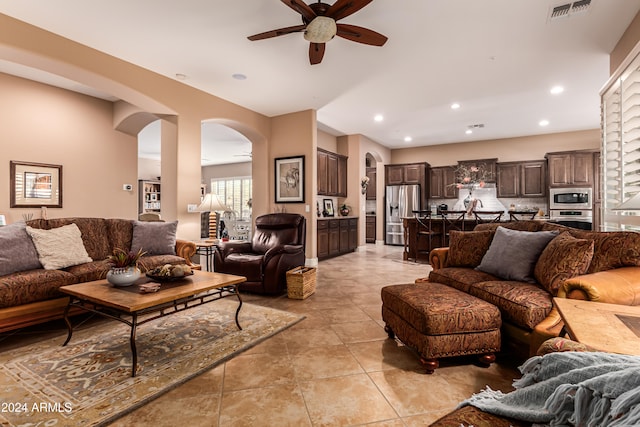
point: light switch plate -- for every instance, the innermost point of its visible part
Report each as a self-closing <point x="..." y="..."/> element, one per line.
<point x="192" y="208"/>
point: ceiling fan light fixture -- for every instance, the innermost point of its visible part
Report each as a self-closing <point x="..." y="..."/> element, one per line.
<point x="321" y="30"/>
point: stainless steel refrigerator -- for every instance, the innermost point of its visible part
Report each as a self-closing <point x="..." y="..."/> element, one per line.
<point x="400" y="202"/>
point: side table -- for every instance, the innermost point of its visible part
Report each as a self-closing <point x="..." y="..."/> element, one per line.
<point x="206" y="249"/>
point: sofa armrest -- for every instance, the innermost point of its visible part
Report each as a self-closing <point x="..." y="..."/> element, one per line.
<point x="186" y="250"/>
<point x="617" y="286"/>
<point x="549" y="328"/>
<point x="438" y="258"/>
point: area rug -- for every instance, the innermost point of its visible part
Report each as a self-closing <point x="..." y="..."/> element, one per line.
<point x="89" y="383"/>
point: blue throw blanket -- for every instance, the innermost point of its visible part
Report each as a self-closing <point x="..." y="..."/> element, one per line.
<point x="570" y="388"/>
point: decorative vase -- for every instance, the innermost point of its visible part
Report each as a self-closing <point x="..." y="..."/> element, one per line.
<point x="123" y="276"/>
<point x="344" y="211"/>
<point x="467" y="200"/>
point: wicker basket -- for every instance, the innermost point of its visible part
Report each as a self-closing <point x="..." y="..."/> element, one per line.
<point x="301" y="282"/>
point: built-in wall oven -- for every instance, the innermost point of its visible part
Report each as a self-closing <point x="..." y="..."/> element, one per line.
<point x="572" y="207"/>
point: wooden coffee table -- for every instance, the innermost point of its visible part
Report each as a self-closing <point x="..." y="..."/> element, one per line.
<point x="132" y="307"/>
<point x="607" y="327"/>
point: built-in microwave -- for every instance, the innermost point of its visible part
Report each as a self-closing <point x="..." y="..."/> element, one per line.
<point x="570" y="198"/>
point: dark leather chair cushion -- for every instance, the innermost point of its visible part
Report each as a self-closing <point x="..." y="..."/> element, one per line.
<point x="245" y="264"/>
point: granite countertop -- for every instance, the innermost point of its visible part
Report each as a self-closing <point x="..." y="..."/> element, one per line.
<point x="320" y="218"/>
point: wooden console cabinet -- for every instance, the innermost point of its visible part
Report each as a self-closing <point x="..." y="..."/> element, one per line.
<point x="337" y="236"/>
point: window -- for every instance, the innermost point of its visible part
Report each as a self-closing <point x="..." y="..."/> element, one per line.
<point x="236" y="192"/>
<point x="621" y="147"/>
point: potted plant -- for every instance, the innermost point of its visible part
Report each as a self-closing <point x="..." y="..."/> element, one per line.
<point x="125" y="267"/>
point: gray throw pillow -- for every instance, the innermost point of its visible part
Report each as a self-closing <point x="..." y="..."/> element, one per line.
<point x="513" y="254"/>
<point x="154" y="238"/>
<point x="17" y="252"/>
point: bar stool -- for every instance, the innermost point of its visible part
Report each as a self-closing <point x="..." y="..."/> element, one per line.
<point x="483" y="217"/>
<point x="424" y="229"/>
<point x="452" y="220"/>
<point x="522" y="215"/>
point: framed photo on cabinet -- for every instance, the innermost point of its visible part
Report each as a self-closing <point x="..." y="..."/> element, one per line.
<point x="328" y="207"/>
<point x="289" y="179"/>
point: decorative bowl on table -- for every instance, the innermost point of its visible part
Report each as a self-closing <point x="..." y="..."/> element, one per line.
<point x="169" y="273"/>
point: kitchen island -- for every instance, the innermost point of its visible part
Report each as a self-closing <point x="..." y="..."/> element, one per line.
<point x="434" y="232"/>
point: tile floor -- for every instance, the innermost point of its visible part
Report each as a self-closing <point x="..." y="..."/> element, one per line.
<point x="335" y="368"/>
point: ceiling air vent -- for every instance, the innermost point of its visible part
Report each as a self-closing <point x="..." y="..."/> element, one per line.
<point x="566" y="10"/>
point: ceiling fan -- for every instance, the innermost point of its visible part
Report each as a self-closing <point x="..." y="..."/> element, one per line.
<point x="319" y="25"/>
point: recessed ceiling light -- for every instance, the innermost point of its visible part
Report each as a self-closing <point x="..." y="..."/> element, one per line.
<point x="378" y="118"/>
<point x="408" y="139"/>
<point x="455" y="106"/>
<point x="544" y="122"/>
<point x="468" y="131"/>
<point x="239" y="76"/>
<point x="556" y="90"/>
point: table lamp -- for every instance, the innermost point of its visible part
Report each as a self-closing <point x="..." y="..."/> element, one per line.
<point x="212" y="203"/>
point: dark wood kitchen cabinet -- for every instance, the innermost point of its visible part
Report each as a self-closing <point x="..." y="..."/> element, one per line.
<point x="371" y="188"/>
<point x="370" y="229"/>
<point x="571" y="168"/>
<point x="442" y="183"/>
<point x="489" y="166"/>
<point x="332" y="174"/>
<point x="522" y="179"/>
<point x="408" y="173"/>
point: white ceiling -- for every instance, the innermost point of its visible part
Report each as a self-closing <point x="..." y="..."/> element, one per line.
<point x="497" y="58"/>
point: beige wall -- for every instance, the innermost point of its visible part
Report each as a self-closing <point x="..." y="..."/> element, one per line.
<point x="44" y="124"/>
<point x="151" y="96"/>
<point x="294" y="135"/>
<point x="626" y="43"/>
<point x="505" y="150"/>
<point x="327" y="142"/>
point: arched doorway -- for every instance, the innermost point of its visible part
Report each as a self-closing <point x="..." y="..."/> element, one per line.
<point x="226" y="171"/>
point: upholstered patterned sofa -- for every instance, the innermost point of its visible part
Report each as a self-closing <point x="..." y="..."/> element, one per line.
<point x="29" y="293"/>
<point x="588" y="265"/>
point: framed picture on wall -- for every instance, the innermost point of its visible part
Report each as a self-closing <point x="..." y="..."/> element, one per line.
<point x="289" y="179"/>
<point x="35" y="185"/>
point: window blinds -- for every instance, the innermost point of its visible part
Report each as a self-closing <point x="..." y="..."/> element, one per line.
<point x="621" y="147"/>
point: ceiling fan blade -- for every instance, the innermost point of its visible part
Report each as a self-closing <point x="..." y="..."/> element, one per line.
<point x="302" y="8"/>
<point x="316" y="52"/>
<point x="343" y="8"/>
<point x="361" y="35"/>
<point x="278" y="32"/>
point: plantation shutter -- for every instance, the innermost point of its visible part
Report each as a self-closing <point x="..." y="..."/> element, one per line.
<point x="621" y="147"/>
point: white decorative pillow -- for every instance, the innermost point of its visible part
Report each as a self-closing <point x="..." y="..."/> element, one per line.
<point x="59" y="247"/>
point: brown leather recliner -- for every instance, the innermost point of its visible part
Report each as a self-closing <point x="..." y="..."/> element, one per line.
<point x="278" y="245"/>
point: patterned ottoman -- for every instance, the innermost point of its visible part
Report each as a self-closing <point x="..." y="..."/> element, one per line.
<point x="440" y="321"/>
